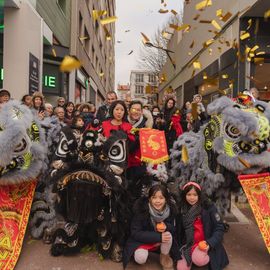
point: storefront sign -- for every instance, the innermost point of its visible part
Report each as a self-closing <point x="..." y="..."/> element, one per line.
<point x="51" y="79"/>
<point x="33" y="74"/>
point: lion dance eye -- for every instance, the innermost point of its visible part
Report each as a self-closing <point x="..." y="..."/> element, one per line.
<point x="232" y="131"/>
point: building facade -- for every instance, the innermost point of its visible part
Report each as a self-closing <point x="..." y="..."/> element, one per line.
<point x="94" y="47"/>
<point x="46" y="32"/>
<point x="143" y="85"/>
<point x="222" y="51"/>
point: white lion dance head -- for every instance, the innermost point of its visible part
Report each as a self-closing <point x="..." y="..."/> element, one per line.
<point x="22" y="145"/>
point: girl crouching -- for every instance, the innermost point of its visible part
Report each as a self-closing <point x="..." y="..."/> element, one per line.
<point x="153" y="229"/>
<point x="200" y="231"/>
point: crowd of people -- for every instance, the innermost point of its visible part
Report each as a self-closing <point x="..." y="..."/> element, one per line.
<point x="186" y="231"/>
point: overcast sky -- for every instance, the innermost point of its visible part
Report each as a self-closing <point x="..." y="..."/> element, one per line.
<point x="136" y="16"/>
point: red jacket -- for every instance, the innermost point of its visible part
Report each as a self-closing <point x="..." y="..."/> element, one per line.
<point x="125" y="126"/>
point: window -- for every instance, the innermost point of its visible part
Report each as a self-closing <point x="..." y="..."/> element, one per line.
<point x="93" y="54"/>
<point x="80" y="24"/>
<point x="138" y="89"/>
<point x="63" y="5"/>
<point x="139" y="78"/>
<point x="151" y="78"/>
<point x="86" y="38"/>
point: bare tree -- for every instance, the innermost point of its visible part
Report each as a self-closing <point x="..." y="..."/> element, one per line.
<point x="151" y="58"/>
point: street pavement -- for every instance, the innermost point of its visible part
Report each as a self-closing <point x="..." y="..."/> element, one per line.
<point x="243" y="242"/>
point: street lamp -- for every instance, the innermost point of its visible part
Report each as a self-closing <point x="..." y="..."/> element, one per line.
<point x="149" y="44"/>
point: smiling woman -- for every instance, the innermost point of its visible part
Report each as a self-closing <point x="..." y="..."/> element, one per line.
<point x="117" y="121"/>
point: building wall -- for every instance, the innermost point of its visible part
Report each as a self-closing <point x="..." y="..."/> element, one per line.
<point x="199" y="33"/>
<point x="57" y="18"/>
<point x="96" y="53"/>
<point x="19" y="42"/>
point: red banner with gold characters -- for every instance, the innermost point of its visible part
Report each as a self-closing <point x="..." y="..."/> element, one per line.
<point x="153" y="146"/>
<point x="15" y="206"/>
<point x="257" y="189"/>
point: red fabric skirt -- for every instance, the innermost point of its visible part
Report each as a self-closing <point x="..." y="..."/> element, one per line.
<point x="150" y="247"/>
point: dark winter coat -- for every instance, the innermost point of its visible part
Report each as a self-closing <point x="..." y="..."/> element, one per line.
<point x="142" y="231"/>
<point x="213" y="232"/>
<point x="103" y="113"/>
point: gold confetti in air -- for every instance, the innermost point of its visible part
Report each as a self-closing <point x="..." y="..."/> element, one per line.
<point x="108" y="20"/>
<point x="192" y="44"/>
<point x="163" y="11"/>
<point x="216" y="25"/>
<point x="69" y="63"/>
<point x="225" y="76"/>
<point x="98" y="13"/>
<point x="208" y="43"/>
<point x="145" y="38"/>
<point x="210" y="51"/>
<point x="179" y="28"/>
<point x="258" y="60"/>
<point x="83" y="38"/>
<point x="244" y="162"/>
<point x="174" y="12"/>
<point x="267" y="14"/>
<point x="260" y="53"/>
<point x="226" y="17"/>
<point x="101" y="74"/>
<point x="196" y="17"/>
<point x="203" y="4"/>
<point x="245" y="35"/>
<point x="184" y="154"/>
<point x="205" y="76"/>
<point x="197" y="65"/>
<point x="54" y="52"/>
<point x="256" y="47"/>
<point x="107" y="33"/>
<point x="219" y="13"/>
<point x="249" y="23"/>
<point x="204" y="21"/>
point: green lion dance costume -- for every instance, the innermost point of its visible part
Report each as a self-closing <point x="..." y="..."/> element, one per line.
<point x="235" y="141"/>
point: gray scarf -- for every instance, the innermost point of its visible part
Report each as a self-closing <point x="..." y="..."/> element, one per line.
<point x="158" y="216"/>
<point x="189" y="215"/>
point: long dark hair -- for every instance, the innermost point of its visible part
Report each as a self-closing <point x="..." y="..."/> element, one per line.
<point x="202" y="198"/>
<point x="165" y="192"/>
<point x="168" y="113"/>
<point x="113" y="105"/>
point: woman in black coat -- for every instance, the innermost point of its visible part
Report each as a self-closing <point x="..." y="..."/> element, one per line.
<point x="146" y="234"/>
<point x="200" y="231"/>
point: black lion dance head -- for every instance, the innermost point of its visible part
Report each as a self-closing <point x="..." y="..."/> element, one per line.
<point x="92" y="199"/>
